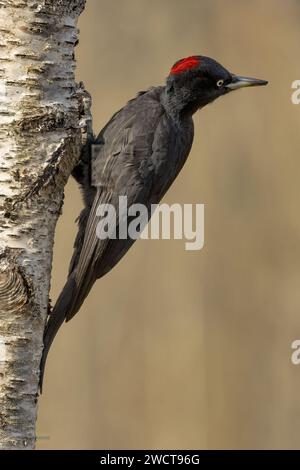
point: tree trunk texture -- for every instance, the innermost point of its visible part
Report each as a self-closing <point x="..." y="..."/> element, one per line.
<point x="44" y="121"/>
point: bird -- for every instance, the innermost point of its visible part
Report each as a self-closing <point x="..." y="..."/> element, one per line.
<point x="140" y="152"/>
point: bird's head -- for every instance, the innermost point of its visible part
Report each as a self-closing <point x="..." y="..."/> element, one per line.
<point x="197" y="80"/>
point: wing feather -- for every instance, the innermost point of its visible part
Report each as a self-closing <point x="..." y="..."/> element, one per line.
<point x="118" y="169"/>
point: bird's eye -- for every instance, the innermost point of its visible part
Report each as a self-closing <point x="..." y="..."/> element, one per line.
<point x="220" y="83"/>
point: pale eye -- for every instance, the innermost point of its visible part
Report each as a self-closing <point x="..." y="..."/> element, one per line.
<point x="220" y="83"/>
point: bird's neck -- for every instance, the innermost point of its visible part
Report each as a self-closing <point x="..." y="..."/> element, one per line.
<point x="178" y="102"/>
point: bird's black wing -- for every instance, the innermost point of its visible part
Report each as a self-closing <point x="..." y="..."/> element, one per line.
<point x="123" y="164"/>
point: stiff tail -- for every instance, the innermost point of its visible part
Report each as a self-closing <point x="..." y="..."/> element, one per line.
<point x="62" y="308"/>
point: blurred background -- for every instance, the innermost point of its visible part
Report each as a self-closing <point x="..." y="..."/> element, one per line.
<point x="178" y="349"/>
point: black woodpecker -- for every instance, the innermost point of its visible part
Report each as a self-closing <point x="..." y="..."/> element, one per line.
<point x="140" y="153"/>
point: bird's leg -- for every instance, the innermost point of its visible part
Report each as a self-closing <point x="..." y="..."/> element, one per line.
<point x="81" y="171"/>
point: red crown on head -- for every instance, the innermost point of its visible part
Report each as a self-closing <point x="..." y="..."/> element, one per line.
<point x="185" y="64"/>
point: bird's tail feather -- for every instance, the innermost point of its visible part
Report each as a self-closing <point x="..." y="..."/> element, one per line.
<point x="63" y="307"/>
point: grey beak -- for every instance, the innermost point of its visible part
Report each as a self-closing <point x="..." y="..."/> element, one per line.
<point x="241" y="82"/>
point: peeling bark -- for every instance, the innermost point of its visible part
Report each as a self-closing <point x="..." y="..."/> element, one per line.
<point x="44" y="120"/>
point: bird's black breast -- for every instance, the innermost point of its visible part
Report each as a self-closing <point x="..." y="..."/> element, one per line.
<point x="171" y="147"/>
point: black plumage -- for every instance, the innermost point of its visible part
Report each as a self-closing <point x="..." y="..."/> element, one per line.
<point x="138" y="154"/>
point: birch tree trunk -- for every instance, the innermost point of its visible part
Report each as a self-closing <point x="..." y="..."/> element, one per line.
<point x="44" y="117"/>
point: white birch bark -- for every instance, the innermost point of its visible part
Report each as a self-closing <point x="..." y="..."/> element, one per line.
<point x="43" y="121"/>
